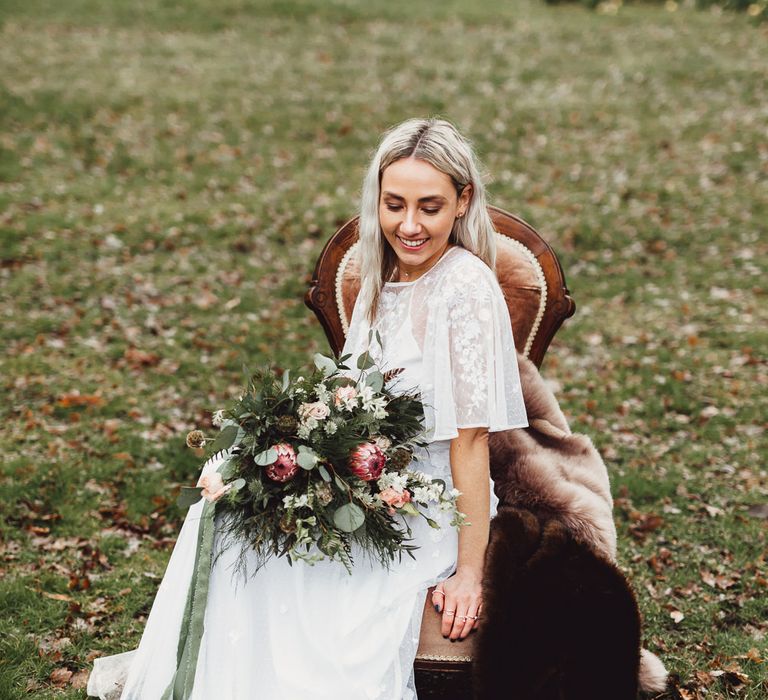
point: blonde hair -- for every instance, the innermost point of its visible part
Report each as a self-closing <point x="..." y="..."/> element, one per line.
<point x="438" y="143"/>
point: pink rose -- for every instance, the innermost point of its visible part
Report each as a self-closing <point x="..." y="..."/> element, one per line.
<point x="213" y="486"/>
<point x="394" y="499"/>
<point x="345" y="396"/>
<point x="285" y="466"/>
<point x="367" y="461"/>
<point x="317" y="410"/>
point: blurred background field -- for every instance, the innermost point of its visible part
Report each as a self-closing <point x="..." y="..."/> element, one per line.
<point x="169" y="174"/>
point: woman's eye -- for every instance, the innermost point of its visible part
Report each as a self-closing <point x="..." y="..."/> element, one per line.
<point x="393" y="207"/>
<point x="431" y="211"/>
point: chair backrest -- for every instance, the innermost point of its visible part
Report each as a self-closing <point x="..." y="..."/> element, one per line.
<point x="527" y="268"/>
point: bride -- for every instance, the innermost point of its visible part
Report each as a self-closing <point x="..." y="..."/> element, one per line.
<point x="315" y="632"/>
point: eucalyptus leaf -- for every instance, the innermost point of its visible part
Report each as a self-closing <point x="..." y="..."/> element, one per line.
<point x="286" y="379"/>
<point x="226" y="438"/>
<point x="340" y="483"/>
<point x="306" y="460"/>
<point x="237" y="484"/>
<point x="189" y="496"/>
<point x="323" y="472"/>
<point x="325" y="364"/>
<point x="364" y="361"/>
<point x="226" y="468"/>
<point x="349" y="517"/>
<point x="266" y="457"/>
<point x="375" y="380"/>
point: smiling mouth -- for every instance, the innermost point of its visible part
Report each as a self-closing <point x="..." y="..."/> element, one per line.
<point x="414" y="244"/>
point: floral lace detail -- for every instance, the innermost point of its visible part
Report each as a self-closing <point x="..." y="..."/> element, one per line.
<point x="468" y="312"/>
<point x="451" y="330"/>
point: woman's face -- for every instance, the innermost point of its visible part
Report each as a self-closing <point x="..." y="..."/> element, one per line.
<point x="417" y="210"/>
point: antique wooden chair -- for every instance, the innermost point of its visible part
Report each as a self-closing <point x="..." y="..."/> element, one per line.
<point x="534" y="286"/>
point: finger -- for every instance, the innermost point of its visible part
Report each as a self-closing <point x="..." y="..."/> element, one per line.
<point x="479" y="614"/>
<point x="449" y="614"/>
<point x="459" y="621"/>
<point x="438" y="596"/>
<point x="468" y="620"/>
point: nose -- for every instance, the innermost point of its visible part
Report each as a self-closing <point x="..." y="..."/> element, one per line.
<point x="409" y="226"/>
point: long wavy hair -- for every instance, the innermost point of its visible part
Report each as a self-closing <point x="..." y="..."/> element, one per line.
<point x="440" y="144"/>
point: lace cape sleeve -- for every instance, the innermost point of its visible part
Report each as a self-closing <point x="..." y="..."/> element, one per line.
<point x="471" y="377"/>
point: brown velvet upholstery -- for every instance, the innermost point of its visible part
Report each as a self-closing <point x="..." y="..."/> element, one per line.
<point x="533" y="283"/>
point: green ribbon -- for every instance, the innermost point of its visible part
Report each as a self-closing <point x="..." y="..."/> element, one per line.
<point x="192" y="623"/>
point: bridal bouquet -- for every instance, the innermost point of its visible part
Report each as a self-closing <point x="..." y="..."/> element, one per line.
<point x="308" y="466"/>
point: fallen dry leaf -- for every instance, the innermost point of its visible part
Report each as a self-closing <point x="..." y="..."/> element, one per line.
<point x="60" y="676"/>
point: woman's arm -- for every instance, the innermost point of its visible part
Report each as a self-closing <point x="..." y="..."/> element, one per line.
<point x="471" y="475"/>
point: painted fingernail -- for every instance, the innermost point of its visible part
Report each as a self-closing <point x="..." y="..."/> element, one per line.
<point x="437" y="607"/>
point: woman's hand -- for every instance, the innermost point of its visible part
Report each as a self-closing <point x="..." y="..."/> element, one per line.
<point x="460" y="599"/>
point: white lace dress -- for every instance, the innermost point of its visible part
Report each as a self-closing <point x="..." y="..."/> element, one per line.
<point x="306" y="632"/>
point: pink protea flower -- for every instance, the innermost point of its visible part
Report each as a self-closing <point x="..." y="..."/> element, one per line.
<point x="285" y="466"/>
<point x="367" y="461"/>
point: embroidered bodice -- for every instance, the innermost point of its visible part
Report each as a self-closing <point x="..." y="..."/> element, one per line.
<point x="451" y="332"/>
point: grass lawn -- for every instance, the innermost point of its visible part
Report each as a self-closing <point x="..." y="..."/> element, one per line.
<point x="169" y="173"/>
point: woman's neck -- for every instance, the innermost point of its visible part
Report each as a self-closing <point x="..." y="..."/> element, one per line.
<point x="411" y="274"/>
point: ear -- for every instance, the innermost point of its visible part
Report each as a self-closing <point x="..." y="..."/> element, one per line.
<point x="465" y="198"/>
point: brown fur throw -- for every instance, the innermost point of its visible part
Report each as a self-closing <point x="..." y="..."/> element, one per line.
<point x="561" y="621"/>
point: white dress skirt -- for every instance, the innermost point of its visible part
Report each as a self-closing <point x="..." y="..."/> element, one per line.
<point x="315" y="632"/>
<point x="293" y="632"/>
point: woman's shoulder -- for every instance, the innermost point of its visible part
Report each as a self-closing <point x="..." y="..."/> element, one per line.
<point x="465" y="271"/>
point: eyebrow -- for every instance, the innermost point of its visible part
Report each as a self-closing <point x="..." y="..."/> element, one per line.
<point x="430" y="198"/>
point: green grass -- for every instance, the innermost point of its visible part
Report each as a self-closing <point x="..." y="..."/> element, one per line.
<point x="169" y="174"/>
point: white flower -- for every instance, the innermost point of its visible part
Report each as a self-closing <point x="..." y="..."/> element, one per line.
<point x="323" y="393"/>
<point x="364" y="496"/>
<point x="331" y="427"/>
<point x="454" y="493"/>
<point x="366" y="395"/>
<point x="296" y="501"/>
<point x="218" y="418"/>
<point x="435" y="489"/>
<point x="421" y="494"/>
<point x="392" y="480"/>
<point x="377" y="407"/>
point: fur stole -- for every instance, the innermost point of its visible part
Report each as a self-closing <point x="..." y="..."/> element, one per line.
<point x="551" y="565"/>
